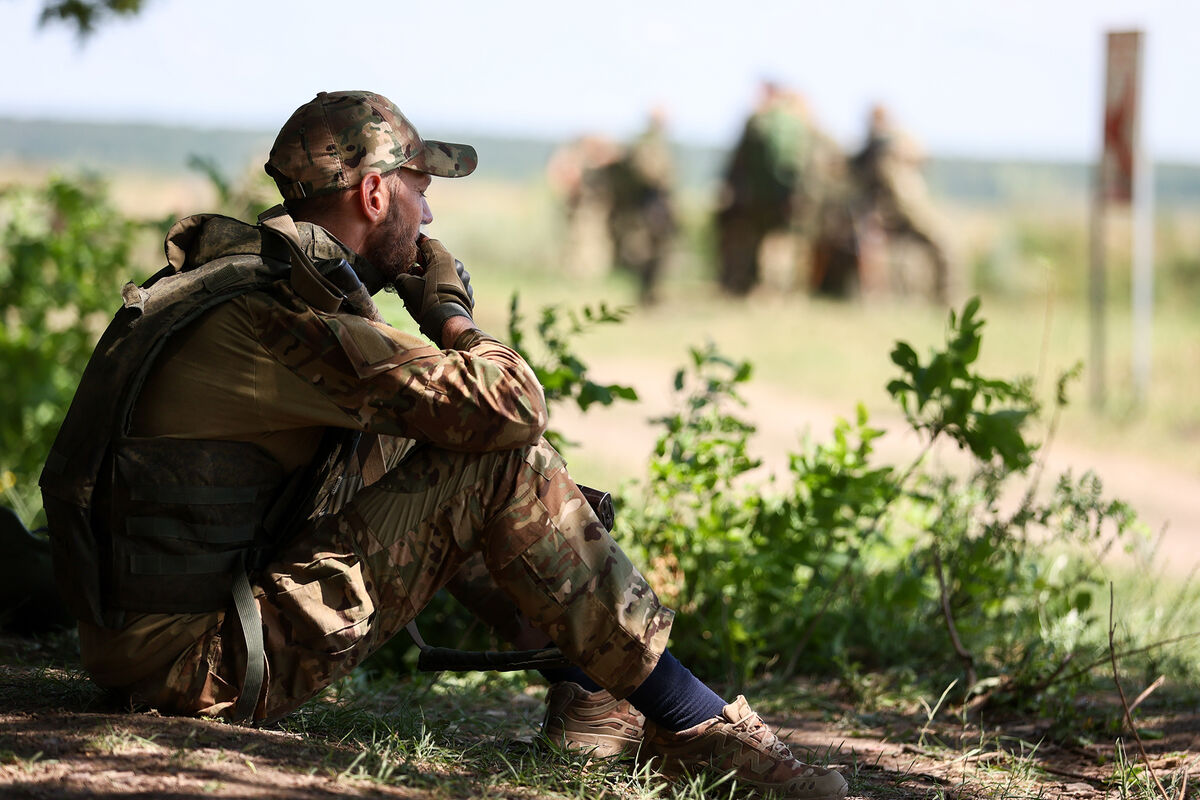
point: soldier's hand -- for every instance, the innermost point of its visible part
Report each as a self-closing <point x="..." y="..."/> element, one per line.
<point x="442" y="292"/>
<point x="465" y="277"/>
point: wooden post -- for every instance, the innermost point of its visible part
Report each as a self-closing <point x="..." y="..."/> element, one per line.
<point x="1119" y="176"/>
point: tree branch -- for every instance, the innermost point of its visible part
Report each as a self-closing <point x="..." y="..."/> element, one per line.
<point x="967" y="659"/>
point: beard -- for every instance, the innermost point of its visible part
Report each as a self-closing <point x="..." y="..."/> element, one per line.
<point x="391" y="247"/>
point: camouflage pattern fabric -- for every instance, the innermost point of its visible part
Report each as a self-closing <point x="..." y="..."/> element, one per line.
<point x="354" y="579"/>
<point x="480" y="481"/>
<point x="334" y="140"/>
<point x="475" y="589"/>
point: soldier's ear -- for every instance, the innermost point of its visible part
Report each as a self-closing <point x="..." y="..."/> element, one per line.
<point x="373" y="197"/>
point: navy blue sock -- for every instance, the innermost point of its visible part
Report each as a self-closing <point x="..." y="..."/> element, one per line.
<point x="573" y="674"/>
<point x="675" y="698"/>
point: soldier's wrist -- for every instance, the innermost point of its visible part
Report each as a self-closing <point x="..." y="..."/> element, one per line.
<point x="469" y="338"/>
<point x="434" y="323"/>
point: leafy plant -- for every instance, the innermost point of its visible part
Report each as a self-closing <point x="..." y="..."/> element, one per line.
<point x="852" y="562"/>
<point x="86" y="15"/>
<point x="562" y="373"/>
<point x="944" y="397"/>
<point x="691" y="516"/>
<point x="64" y="253"/>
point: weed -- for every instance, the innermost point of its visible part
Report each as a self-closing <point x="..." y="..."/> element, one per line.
<point x="119" y="739"/>
<point x="931" y="712"/>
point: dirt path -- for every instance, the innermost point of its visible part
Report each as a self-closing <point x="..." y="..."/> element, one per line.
<point x="1166" y="499"/>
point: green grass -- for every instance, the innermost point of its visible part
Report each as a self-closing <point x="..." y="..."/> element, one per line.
<point x="471" y="736"/>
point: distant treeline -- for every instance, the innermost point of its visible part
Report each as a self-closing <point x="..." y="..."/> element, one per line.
<point x="105" y="147"/>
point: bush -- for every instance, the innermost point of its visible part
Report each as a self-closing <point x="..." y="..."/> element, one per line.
<point x="64" y="254"/>
<point x="852" y="563"/>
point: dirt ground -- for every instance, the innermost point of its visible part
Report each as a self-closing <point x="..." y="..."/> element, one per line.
<point x="62" y="738"/>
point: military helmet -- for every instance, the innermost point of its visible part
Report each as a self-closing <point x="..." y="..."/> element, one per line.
<point x="337" y="138"/>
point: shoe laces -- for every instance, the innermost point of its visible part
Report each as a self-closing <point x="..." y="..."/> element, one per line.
<point x="752" y="725"/>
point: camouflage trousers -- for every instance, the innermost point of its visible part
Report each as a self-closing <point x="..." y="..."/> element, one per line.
<point x="354" y="579"/>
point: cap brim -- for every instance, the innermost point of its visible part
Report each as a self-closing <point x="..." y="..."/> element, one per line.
<point x="444" y="159"/>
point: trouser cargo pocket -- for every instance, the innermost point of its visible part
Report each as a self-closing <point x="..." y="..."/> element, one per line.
<point x="325" y="605"/>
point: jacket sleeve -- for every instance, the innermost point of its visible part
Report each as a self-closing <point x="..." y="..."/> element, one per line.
<point x="478" y="398"/>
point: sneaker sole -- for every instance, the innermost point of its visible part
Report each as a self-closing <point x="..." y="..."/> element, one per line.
<point x="596" y="745"/>
<point x="674" y="768"/>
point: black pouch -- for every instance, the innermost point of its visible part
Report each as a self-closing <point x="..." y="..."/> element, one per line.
<point x="186" y="517"/>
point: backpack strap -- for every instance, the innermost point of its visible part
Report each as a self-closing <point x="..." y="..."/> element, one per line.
<point x="256" y="654"/>
<point x="317" y="290"/>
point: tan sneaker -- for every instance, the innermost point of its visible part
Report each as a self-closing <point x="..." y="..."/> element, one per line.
<point x="591" y="722"/>
<point x="739" y="742"/>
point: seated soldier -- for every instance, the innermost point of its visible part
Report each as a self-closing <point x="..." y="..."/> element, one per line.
<point x="259" y="481"/>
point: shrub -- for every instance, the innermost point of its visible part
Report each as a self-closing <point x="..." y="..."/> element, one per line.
<point x="64" y="254"/>
<point x="849" y="562"/>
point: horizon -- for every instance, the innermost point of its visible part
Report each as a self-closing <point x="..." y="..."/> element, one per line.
<point x="534" y="139"/>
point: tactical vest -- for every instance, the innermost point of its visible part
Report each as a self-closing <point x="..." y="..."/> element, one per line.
<point x="141" y="524"/>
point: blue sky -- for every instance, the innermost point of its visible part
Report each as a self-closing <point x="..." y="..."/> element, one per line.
<point x="1011" y="78"/>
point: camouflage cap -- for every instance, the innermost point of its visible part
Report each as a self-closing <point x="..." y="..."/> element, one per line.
<point x="334" y="140"/>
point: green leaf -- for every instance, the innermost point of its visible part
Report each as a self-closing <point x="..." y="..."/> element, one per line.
<point x="904" y="357"/>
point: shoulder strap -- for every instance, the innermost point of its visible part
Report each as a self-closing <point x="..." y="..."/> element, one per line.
<point x="317" y="290"/>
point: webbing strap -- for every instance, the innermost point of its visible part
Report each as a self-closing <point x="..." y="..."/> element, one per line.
<point x="194" y="564"/>
<point x="168" y="528"/>
<point x="256" y="656"/>
<point x="194" y="495"/>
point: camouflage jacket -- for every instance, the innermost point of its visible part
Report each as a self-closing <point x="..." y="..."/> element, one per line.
<point x="248" y="362"/>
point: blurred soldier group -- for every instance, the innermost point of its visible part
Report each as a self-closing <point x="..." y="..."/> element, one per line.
<point x="848" y="223"/>
<point x="894" y="207"/>
<point x="793" y="209"/>
<point x="775" y="183"/>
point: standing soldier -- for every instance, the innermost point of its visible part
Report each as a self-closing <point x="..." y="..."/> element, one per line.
<point x="834" y="266"/>
<point x="894" y="200"/>
<point x="578" y="173"/>
<point x="641" y="220"/>
<point x="764" y="187"/>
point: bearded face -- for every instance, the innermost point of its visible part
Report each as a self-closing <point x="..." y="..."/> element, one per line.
<point x="391" y="246"/>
